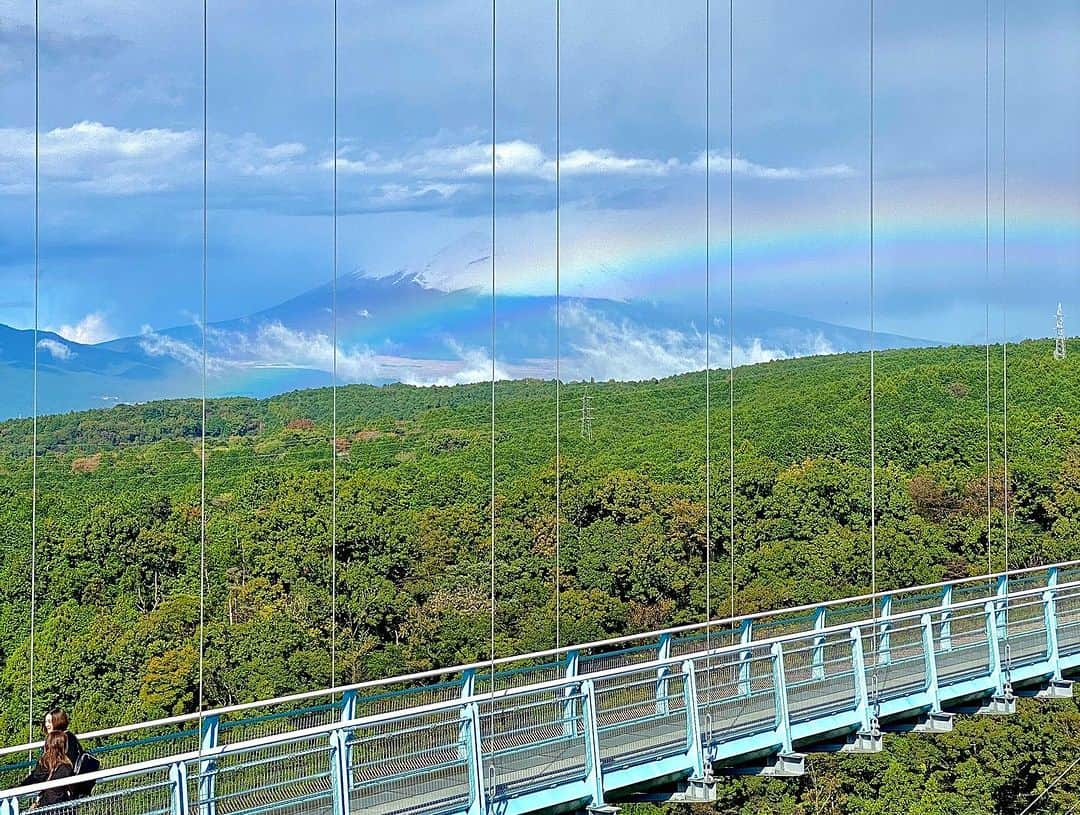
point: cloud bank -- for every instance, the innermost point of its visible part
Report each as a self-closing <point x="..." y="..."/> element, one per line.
<point x="597" y="347"/>
<point x="103" y="160"/>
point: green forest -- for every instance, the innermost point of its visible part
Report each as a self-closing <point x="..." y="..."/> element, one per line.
<point x="405" y="487"/>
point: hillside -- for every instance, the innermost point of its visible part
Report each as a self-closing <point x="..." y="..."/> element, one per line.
<point x="118" y="516"/>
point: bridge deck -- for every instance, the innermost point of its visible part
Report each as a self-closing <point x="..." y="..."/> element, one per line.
<point x="579" y="728"/>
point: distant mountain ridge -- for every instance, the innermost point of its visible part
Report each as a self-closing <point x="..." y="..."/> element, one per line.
<point x="402" y="328"/>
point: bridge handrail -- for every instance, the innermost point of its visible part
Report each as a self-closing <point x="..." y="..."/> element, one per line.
<point x="386" y="717"/>
<point x="487" y="664"/>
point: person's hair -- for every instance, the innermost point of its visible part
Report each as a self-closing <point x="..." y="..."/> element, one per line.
<point x="55" y="752"/>
<point x="60" y="719"/>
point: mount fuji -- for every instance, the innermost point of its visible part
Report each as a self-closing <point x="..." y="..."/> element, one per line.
<point x="421" y="326"/>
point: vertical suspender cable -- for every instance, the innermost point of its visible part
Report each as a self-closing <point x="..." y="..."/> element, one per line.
<point x="874" y="601"/>
<point x="493" y="324"/>
<point x="1004" y="309"/>
<point x="731" y="298"/>
<point x="334" y="372"/>
<point x="873" y="345"/>
<point x="202" y="455"/>
<point x="986" y="229"/>
<point x="34" y="394"/>
<point x="708" y="337"/>
<point x="558" y="323"/>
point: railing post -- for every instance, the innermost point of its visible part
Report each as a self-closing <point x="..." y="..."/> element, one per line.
<point x="783" y="718"/>
<point x="663" y="652"/>
<point x="9" y="806"/>
<point x="993" y="647"/>
<point x="1052" y="577"/>
<point x="573" y="664"/>
<point x="1053" y="653"/>
<point x="930" y="660"/>
<point x="339" y="761"/>
<point x="465" y="728"/>
<point x="694" y="743"/>
<point x="208" y="739"/>
<point x="746" y="637"/>
<point x="348" y="706"/>
<point x="817" y="658"/>
<point x="1002" y="591"/>
<point x="470" y="715"/>
<point x="592" y="741"/>
<point x="178" y="782"/>
<point x="468" y="682"/>
<point x="946" y="618"/>
<point x="858" y="668"/>
<point x="1003" y="701"/>
<point x="348" y="713"/>
<point x="884" y="629"/>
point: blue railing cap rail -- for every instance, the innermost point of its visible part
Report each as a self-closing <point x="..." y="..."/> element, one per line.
<point x="775" y="643"/>
<point x="487" y="665"/>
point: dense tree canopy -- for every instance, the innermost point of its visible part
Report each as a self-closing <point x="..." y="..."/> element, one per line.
<point x="119" y="524"/>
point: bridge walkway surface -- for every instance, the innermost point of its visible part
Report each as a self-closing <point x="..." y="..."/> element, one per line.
<point x="655" y="715"/>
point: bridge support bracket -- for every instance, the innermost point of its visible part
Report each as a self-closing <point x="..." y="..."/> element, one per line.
<point x="701" y="789"/>
<point x="936" y="721"/>
<point x="998" y="705"/>
<point x="864" y="741"/>
<point x="1056" y="689"/>
<point x="694" y="790"/>
<point x="785" y="765"/>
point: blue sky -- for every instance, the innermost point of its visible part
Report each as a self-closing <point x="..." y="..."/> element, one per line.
<point x="121" y="102"/>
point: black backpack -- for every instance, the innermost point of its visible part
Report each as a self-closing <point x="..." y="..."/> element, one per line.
<point x="87" y="762"/>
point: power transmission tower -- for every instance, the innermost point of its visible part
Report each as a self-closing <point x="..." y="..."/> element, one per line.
<point x="586" y="416"/>
<point x="1059" y="344"/>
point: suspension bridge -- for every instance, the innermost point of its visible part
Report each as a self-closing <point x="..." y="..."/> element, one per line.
<point x="656" y="716"/>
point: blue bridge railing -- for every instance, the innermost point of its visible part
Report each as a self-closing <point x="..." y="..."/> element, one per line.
<point x="577" y="726"/>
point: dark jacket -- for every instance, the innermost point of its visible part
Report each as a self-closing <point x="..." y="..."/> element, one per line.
<point x="39" y="774"/>
<point x="59" y="794"/>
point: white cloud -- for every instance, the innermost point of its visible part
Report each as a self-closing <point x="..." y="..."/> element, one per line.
<point x="90" y="330"/>
<point x="597" y="347"/>
<point x="751" y="354"/>
<point x="723" y="163"/>
<point x="101" y="159"/>
<point x="393" y="195"/>
<point x="160" y="345"/>
<point x="605" y="162"/>
<point x="515" y="158"/>
<point x="276" y="346"/>
<point x="248" y="155"/>
<point x="58" y="350"/>
<point x="271" y="345"/>
<point x="606" y="349"/>
<point x="473" y="365"/>
<point x="97" y="158"/>
<point x="821" y="346"/>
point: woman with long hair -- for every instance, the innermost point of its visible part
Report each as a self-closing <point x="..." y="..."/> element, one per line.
<point x="57" y="764"/>
<point x="56" y="721"/>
